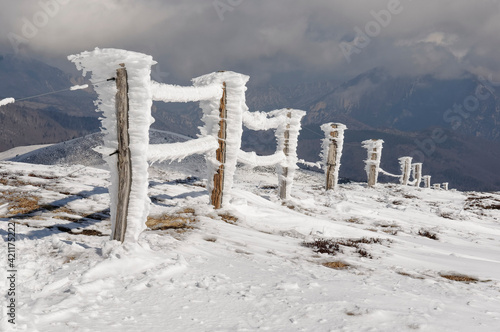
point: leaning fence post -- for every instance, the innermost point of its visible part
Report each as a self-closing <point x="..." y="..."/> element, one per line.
<point x="417" y="174"/>
<point x="427" y="181"/>
<point x="123" y="152"/>
<point x="218" y="189"/>
<point x="332" y="152"/>
<point x="286" y="151"/>
<point x="374" y="147"/>
<point x="405" y="163"/>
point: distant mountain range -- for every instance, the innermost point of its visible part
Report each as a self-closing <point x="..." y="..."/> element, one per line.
<point x="402" y="111"/>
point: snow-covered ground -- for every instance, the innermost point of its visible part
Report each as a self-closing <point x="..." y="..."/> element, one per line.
<point x="246" y="268"/>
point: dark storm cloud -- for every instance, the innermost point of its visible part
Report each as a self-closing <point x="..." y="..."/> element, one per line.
<point x="317" y="39"/>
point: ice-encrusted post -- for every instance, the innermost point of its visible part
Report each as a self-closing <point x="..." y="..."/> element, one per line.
<point x="445" y="185"/>
<point x="213" y="113"/>
<point x="286" y="151"/>
<point x="436" y="186"/>
<point x="102" y="63"/>
<point x="427" y="181"/>
<point x="124" y="162"/>
<point x="332" y="152"/>
<point x="405" y="163"/>
<point x="217" y="191"/>
<point x="417" y="174"/>
<point x="374" y="148"/>
<point x="287" y="135"/>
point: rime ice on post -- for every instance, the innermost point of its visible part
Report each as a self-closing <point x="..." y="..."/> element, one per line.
<point x="287" y="135"/>
<point x="287" y="125"/>
<point x="332" y="152"/>
<point x="374" y="148"/>
<point x="103" y="63"/>
<point x="235" y="105"/>
<point x="405" y="163"/>
<point x="445" y="185"/>
<point x="427" y="181"/>
<point x="417" y="174"/>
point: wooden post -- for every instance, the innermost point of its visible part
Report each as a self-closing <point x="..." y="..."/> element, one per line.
<point x="417" y="174"/>
<point x="445" y="186"/>
<point x="405" y="163"/>
<point x="217" y="191"/>
<point x="331" y="161"/>
<point x="372" y="178"/>
<point x="124" y="158"/>
<point x="436" y="185"/>
<point x="374" y="149"/>
<point x="427" y="181"/>
<point x="286" y="151"/>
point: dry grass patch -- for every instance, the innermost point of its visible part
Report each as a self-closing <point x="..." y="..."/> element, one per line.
<point x="428" y="234"/>
<point x="354" y="220"/>
<point x="334" y="246"/>
<point x="409" y="275"/>
<point x="179" y="220"/>
<point x="20" y="203"/>
<point x="230" y="219"/>
<point x="337" y="265"/>
<point x="460" y="277"/>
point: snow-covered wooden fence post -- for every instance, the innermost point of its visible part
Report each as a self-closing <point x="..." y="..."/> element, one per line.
<point x="417" y="174"/>
<point x="445" y="185"/>
<point x="124" y="162"/>
<point x="405" y="163"/>
<point x="436" y="186"/>
<point x="332" y="152"/>
<point x="287" y="135"/>
<point x="218" y="189"/>
<point x="234" y="85"/>
<point x="427" y="181"/>
<point x="374" y="148"/>
<point x="102" y="63"/>
<point x="286" y="151"/>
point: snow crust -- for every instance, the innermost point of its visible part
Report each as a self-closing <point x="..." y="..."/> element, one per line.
<point x="79" y="87"/>
<point x="179" y="151"/>
<point x="325" y="145"/>
<point x="183" y="94"/>
<point x="7" y="101"/>
<point x="254" y="274"/>
<point x="103" y="63"/>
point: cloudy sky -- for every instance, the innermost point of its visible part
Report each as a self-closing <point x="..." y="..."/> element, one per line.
<point x="270" y="40"/>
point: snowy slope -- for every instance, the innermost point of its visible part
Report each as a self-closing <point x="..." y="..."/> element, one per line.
<point x="246" y="268"/>
<point x="78" y="150"/>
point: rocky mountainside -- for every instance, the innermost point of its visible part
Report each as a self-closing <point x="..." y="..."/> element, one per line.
<point x="46" y="119"/>
<point x="402" y="111"/>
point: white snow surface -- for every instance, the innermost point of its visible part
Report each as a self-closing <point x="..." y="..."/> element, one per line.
<point x="253" y="273"/>
<point x="7" y="101"/>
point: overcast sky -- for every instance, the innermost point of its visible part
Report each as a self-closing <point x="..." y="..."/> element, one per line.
<point x="267" y="39"/>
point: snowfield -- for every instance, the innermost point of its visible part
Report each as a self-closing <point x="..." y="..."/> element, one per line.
<point x="258" y="264"/>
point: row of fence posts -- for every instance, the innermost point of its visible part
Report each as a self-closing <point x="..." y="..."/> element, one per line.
<point x="334" y="138"/>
